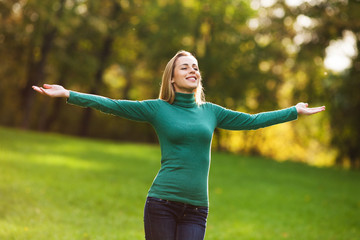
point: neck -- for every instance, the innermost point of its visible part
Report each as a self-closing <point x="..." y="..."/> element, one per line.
<point x="185" y="100"/>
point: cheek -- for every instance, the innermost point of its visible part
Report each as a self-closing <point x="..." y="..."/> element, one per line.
<point x="179" y="74"/>
<point x="176" y="76"/>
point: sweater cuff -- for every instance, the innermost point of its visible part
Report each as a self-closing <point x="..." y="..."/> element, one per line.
<point x="70" y="99"/>
<point x="294" y="113"/>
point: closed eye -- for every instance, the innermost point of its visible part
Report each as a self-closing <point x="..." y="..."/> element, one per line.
<point x="185" y="66"/>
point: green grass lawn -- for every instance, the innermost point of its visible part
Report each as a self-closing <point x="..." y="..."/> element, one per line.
<point x="60" y="187"/>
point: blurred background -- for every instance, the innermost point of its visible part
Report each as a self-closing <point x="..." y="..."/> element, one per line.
<point x="254" y="56"/>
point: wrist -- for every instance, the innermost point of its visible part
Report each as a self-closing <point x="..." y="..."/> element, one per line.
<point x="67" y="94"/>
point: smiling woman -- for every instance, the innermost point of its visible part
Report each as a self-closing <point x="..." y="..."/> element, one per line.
<point x="177" y="202"/>
<point x="186" y="75"/>
<point x="182" y="75"/>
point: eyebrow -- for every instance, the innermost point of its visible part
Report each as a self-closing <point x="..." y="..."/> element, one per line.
<point x="187" y="64"/>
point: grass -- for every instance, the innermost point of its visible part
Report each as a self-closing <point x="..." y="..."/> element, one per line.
<point x="66" y="188"/>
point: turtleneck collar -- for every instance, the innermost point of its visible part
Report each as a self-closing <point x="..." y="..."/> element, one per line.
<point x="185" y="100"/>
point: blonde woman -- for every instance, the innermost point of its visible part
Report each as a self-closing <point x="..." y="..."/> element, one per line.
<point x="177" y="203"/>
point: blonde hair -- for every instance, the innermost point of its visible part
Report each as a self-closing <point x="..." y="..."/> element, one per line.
<point x="167" y="90"/>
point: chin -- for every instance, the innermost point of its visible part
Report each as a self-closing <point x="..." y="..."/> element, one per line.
<point x="192" y="89"/>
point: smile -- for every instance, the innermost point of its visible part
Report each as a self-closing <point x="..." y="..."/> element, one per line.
<point x="192" y="78"/>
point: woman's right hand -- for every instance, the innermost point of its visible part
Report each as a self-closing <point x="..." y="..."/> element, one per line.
<point x="52" y="90"/>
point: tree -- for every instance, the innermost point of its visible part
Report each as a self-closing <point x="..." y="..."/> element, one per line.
<point x="38" y="60"/>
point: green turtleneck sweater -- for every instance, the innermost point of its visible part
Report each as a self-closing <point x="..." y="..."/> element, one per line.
<point x="185" y="131"/>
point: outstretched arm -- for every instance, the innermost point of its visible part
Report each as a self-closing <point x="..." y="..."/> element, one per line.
<point x="233" y="120"/>
<point x="302" y="108"/>
<point x="134" y="110"/>
<point x="52" y="90"/>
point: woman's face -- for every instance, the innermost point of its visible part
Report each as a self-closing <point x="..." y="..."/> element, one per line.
<point x="186" y="74"/>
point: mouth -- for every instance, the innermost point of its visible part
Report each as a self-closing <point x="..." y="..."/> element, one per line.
<point x="191" y="78"/>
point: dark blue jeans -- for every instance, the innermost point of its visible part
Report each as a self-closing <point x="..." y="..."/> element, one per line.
<point x="168" y="220"/>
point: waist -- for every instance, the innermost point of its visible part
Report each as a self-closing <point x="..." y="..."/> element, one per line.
<point x="180" y="204"/>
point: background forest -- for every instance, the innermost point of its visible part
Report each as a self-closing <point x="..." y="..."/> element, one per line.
<point x="254" y="56"/>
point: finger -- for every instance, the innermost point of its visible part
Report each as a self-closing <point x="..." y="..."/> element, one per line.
<point x="47" y="86"/>
<point x="315" y="110"/>
<point x="36" y="88"/>
<point x="322" y="108"/>
<point x="44" y="91"/>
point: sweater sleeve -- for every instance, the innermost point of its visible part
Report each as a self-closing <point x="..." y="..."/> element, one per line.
<point x="233" y="120"/>
<point x="134" y="110"/>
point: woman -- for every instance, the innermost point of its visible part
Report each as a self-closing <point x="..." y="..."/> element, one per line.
<point x="177" y="202"/>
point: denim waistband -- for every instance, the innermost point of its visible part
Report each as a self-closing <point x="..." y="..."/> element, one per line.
<point x="177" y="203"/>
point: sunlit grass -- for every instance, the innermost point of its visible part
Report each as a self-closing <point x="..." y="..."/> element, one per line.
<point x="58" y="187"/>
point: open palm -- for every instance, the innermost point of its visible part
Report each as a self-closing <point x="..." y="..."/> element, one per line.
<point x="302" y="108"/>
<point x="52" y="90"/>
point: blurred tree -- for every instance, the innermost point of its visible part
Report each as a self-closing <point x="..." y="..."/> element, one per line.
<point x="254" y="56"/>
<point x="341" y="90"/>
<point x="292" y="38"/>
<point x="337" y="89"/>
<point x="39" y="49"/>
<point x="104" y="54"/>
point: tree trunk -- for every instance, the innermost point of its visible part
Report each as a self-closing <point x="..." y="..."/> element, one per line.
<point x="35" y="73"/>
<point x="103" y="57"/>
<point x="128" y="86"/>
<point x="58" y="102"/>
<point x="56" y="106"/>
<point x="35" y="76"/>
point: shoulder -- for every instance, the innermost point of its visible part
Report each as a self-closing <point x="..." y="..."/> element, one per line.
<point x="207" y="104"/>
<point x="152" y="103"/>
<point x="212" y="106"/>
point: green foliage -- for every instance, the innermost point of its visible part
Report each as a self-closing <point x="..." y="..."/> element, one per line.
<point x="337" y="90"/>
<point x="119" y="49"/>
<point x="57" y="187"/>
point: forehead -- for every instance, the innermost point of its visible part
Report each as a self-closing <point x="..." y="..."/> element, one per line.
<point x="190" y="60"/>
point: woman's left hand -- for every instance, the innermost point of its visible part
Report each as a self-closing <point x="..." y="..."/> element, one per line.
<point x="302" y="108"/>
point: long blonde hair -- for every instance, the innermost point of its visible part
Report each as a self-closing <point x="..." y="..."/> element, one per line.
<point x="167" y="91"/>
